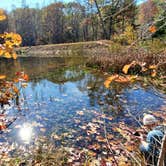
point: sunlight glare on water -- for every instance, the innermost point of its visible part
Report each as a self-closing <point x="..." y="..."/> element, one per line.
<point x="26" y="132"/>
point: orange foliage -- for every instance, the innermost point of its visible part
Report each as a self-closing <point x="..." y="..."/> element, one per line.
<point x="9" y="90"/>
<point x="152" y="29"/>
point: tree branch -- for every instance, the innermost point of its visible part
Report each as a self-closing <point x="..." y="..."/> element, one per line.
<point x="162" y="152"/>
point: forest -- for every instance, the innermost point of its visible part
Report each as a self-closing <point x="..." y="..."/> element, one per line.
<point x="87" y="21"/>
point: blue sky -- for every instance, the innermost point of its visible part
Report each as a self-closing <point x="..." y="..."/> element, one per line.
<point x="7" y="4"/>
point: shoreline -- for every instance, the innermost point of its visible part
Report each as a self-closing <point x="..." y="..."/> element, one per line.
<point x="91" y="48"/>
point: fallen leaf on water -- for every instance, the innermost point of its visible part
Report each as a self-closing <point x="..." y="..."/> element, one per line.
<point x="101" y="139"/>
<point x="55" y="136"/>
<point x="152" y="66"/>
<point x="2" y="126"/>
<point x="2" y="77"/>
<point x="109" y="80"/>
<point x="127" y="67"/>
<point x="163" y="108"/>
<point x="24" y="85"/>
<point x="82" y="127"/>
<point x="80" y="112"/>
<point x="153" y="73"/>
<point x="110" y="136"/>
<point x="42" y="129"/>
<point x="94" y="146"/>
<point x="17" y="126"/>
<point x="91" y="153"/>
<point x="77" y="121"/>
<point x="2" y="115"/>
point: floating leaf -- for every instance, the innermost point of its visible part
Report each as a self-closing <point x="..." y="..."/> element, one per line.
<point x="109" y="80"/>
<point x="153" y="73"/>
<point x="2" y="126"/>
<point x="15" y="89"/>
<point x="80" y="113"/>
<point x="2" y="77"/>
<point x="125" y="79"/>
<point x="101" y="139"/>
<point x="94" y="146"/>
<point x="43" y="129"/>
<point x="126" y="67"/>
<point x="83" y="127"/>
<point x="152" y="66"/>
<point x="24" y="85"/>
<point x="25" y="77"/>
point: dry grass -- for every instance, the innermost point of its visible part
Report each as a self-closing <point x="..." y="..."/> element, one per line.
<point x="123" y="55"/>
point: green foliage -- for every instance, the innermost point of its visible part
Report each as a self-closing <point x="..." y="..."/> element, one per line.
<point x="153" y="45"/>
<point x="128" y="37"/>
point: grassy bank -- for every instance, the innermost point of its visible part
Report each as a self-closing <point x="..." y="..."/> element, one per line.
<point x="104" y="55"/>
<point x="90" y="48"/>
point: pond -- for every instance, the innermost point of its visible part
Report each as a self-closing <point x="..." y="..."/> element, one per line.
<point x="67" y="104"/>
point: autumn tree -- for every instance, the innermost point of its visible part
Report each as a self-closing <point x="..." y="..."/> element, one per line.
<point x="8" y="89"/>
<point x="147" y="12"/>
<point x="74" y="16"/>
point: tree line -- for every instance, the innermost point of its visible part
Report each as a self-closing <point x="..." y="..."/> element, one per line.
<point x="73" y="22"/>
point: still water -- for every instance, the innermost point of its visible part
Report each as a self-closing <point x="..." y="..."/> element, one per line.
<point x="67" y="104"/>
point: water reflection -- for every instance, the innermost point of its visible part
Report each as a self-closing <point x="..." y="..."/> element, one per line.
<point x="63" y="96"/>
<point x="26" y="132"/>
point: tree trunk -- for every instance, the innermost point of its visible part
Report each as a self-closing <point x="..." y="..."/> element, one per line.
<point x="101" y="20"/>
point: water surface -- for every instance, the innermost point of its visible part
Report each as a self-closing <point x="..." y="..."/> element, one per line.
<point x="67" y="104"/>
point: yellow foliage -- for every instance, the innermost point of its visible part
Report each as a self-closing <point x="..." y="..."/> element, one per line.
<point x="7" y="55"/>
<point x="11" y="40"/>
<point x="130" y="34"/>
<point x="128" y="37"/>
<point x="1" y="51"/>
<point x="2" y="15"/>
